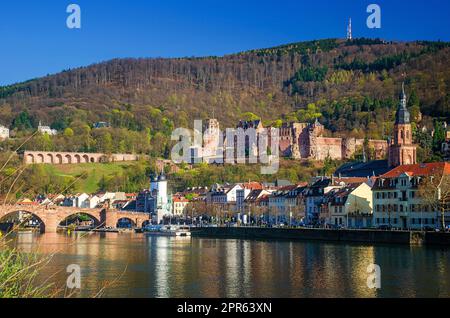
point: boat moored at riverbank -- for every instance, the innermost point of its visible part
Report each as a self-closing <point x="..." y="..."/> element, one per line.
<point x="167" y="230"/>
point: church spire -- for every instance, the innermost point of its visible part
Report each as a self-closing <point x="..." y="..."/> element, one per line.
<point x="402" y="117"/>
<point x="403" y="96"/>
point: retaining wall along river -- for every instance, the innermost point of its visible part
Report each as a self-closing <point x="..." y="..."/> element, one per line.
<point x="361" y="236"/>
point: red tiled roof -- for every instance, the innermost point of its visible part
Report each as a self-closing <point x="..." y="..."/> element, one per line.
<point x="423" y="169"/>
<point x="253" y="185"/>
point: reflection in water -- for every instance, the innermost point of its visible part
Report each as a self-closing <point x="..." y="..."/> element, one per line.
<point x="140" y="266"/>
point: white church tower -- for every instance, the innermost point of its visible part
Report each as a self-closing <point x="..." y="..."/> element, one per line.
<point x="158" y="188"/>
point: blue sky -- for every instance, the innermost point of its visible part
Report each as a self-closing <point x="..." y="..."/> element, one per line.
<point x="35" y="40"/>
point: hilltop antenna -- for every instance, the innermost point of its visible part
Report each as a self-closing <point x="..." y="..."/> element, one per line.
<point x="349" y="30"/>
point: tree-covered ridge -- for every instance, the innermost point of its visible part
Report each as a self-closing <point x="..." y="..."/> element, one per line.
<point x="297" y="48"/>
<point x="351" y="86"/>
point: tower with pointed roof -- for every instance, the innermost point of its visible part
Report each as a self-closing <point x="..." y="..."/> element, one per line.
<point x="402" y="151"/>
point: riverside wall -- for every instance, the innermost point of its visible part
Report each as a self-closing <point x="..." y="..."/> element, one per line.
<point x="350" y="236"/>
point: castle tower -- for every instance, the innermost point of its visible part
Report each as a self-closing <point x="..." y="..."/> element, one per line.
<point x="211" y="138"/>
<point x="401" y="150"/>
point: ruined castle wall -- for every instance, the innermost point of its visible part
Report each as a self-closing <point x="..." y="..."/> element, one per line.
<point x="325" y="147"/>
<point x="380" y="147"/>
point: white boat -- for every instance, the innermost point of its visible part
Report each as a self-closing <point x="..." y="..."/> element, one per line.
<point x="168" y="230"/>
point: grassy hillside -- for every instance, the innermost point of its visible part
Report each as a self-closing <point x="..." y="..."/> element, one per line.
<point x="89" y="175"/>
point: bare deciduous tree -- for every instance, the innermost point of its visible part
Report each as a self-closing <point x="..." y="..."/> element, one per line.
<point x="435" y="191"/>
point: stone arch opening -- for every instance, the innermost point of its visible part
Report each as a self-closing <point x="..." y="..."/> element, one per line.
<point x="81" y="219"/>
<point x="68" y="159"/>
<point x="85" y="159"/>
<point x="40" y="158"/>
<point x="92" y="159"/>
<point x="59" y="159"/>
<point x="49" y="158"/>
<point x="125" y="223"/>
<point x="30" y="158"/>
<point x="24" y="219"/>
<point x="77" y="159"/>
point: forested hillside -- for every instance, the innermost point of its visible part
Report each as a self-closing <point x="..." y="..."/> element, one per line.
<point x="352" y="86"/>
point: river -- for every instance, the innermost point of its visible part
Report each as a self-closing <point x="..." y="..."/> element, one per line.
<point x="133" y="265"/>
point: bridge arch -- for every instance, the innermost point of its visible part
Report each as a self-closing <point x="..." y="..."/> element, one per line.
<point x="68" y="159"/>
<point x="125" y="222"/>
<point x="77" y="159"/>
<point x="81" y="216"/>
<point x="29" y="216"/>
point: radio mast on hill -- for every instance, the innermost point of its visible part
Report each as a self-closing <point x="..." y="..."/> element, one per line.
<point x="349" y="30"/>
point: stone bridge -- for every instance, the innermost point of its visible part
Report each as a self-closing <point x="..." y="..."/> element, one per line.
<point x="51" y="216"/>
<point x="62" y="158"/>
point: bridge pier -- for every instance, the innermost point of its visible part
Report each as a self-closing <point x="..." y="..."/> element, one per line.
<point x="51" y="223"/>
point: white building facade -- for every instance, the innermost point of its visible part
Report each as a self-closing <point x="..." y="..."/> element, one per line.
<point x="4" y="133"/>
<point x="47" y="130"/>
<point x="396" y="199"/>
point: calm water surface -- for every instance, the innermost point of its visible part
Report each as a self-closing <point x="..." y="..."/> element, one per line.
<point x="140" y="266"/>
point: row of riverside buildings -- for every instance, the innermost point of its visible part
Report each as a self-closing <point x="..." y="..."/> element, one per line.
<point x="389" y="200"/>
<point x="371" y="194"/>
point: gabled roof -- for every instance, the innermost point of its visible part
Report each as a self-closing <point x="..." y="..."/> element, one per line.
<point x="252" y="185"/>
<point x="180" y="199"/>
<point x="422" y="169"/>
